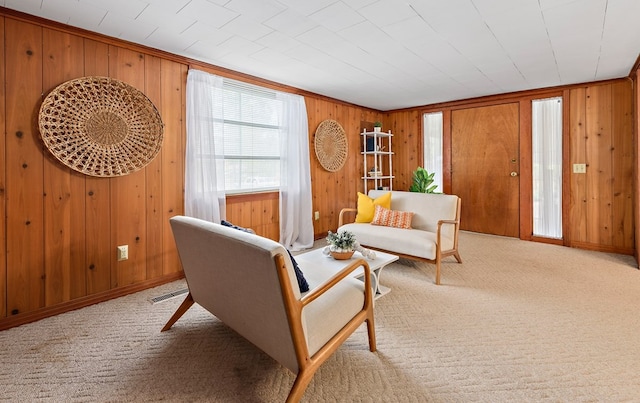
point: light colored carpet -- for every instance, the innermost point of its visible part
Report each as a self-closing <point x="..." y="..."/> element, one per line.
<point x="517" y="321"/>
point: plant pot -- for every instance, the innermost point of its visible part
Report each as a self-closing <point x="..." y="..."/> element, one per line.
<point x="377" y="129"/>
<point x="342" y="255"/>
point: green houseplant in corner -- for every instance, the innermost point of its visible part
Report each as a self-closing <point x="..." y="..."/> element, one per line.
<point x="422" y="181"/>
<point x="377" y="126"/>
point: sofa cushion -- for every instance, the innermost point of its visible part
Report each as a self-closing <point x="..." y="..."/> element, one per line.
<point x="392" y="218"/>
<point x="324" y="317"/>
<point x="428" y="208"/>
<point x="367" y="204"/>
<point x="398" y="240"/>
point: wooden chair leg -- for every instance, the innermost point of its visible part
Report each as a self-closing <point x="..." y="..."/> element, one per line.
<point x="457" y="256"/>
<point x="371" y="331"/>
<point x="300" y="384"/>
<point x="184" y="307"/>
<point x="438" y="272"/>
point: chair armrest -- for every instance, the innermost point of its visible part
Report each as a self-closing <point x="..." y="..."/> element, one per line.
<point x="345" y="210"/>
<point x="336" y="278"/>
<point x="440" y="223"/>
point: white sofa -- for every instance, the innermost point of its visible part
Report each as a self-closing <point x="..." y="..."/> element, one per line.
<point x="434" y="227"/>
<point x="249" y="283"/>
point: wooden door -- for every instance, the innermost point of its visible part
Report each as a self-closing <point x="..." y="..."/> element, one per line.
<point x="485" y="168"/>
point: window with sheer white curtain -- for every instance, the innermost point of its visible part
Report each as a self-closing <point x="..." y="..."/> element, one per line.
<point x="546" y="123"/>
<point x="432" y="146"/>
<point x="245" y="138"/>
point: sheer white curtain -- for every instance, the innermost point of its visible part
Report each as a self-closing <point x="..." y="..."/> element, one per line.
<point x="296" y="226"/>
<point x="432" y="143"/>
<point x="547" y="167"/>
<point x="204" y="166"/>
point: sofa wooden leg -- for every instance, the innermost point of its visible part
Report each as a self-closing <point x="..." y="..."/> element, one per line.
<point x="184" y="307"/>
<point x="438" y="272"/>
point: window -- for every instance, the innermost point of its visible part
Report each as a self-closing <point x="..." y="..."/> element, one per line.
<point x="251" y="140"/>
<point x="547" y="167"/>
<point x="432" y="143"/>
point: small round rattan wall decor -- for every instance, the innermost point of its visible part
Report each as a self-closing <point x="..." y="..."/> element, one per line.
<point x="331" y="145"/>
<point x="100" y="126"/>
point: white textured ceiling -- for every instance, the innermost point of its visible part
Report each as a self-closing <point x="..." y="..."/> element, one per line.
<point x="384" y="54"/>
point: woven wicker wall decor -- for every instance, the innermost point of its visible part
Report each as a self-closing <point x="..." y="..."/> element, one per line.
<point x="331" y="145"/>
<point x="100" y="126"/>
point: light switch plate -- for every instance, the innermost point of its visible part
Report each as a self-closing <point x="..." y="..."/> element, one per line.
<point x="579" y="168"/>
<point x="123" y="252"/>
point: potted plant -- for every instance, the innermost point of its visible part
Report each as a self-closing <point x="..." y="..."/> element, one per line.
<point x="377" y="126"/>
<point x="341" y="244"/>
<point x="422" y="181"/>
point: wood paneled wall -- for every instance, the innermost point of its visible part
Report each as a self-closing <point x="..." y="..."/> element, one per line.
<point x="598" y="131"/>
<point x="601" y="136"/>
<point x="636" y="149"/>
<point x="58" y="245"/>
<point x="62" y="228"/>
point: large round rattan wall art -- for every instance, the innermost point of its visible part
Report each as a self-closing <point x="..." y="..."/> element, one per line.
<point x="100" y="126"/>
<point x="331" y="145"/>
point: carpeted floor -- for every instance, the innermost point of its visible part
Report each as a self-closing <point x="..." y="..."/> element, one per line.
<point x="517" y="321"/>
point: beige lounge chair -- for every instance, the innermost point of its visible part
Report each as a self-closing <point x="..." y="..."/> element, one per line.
<point x="249" y="283"/>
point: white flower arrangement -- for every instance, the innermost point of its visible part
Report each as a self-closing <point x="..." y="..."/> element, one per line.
<point x="345" y="241"/>
<point x="342" y="241"/>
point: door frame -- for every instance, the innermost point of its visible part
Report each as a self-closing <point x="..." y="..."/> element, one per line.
<point x="526" y="148"/>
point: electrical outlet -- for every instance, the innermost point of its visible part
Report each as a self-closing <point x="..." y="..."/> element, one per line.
<point x="316" y="215"/>
<point x="579" y="168"/>
<point x="123" y="252"/>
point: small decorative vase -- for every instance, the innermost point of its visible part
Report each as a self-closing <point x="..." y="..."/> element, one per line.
<point x="342" y="255"/>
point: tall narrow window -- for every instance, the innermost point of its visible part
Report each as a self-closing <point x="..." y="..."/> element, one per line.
<point x="432" y="143"/>
<point x="547" y="167"/>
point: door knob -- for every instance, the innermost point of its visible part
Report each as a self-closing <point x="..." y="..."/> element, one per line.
<point x="514" y="174"/>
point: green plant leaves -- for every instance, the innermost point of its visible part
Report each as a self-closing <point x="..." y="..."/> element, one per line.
<point x="422" y="181"/>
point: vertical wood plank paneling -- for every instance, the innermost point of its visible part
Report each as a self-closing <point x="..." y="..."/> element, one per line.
<point x="99" y="253"/>
<point x="578" y="202"/>
<point x="3" y="212"/>
<point x="117" y="211"/>
<point x="173" y="78"/>
<point x="25" y="246"/>
<point x="622" y="128"/>
<point x="128" y="192"/>
<point x="599" y="173"/>
<point x="636" y="167"/>
<point x="64" y="222"/>
<point x="601" y="127"/>
<point x="153" y="178"/>
<point x="354" y="168"/>
<point x="406" y="127"/>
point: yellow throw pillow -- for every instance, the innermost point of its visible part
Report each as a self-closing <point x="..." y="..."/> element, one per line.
<point x="366" y="206"/>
